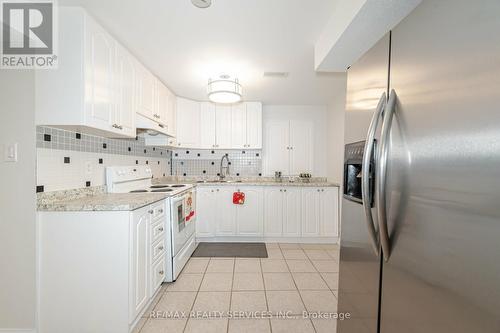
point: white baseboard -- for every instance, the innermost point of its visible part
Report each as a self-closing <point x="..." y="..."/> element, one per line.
<point x="239" y="239"/>
<point x="17" y="330"/>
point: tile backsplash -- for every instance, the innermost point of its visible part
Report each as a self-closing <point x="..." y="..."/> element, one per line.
<point x="67" y="159"/>
<point x="206" y="163"/>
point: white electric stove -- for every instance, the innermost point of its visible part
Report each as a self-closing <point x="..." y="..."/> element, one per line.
<point x="180" y="203"/>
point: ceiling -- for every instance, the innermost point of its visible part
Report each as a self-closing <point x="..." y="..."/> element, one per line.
<point x="185" y="46"/>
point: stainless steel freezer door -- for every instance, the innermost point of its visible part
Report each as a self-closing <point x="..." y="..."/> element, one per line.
<point x="443" y="189"/>
<point x="359" y="265"/>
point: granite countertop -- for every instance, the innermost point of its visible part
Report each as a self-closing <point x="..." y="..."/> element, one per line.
<point x="99" y="202"/>
<point x="254" y="181"/>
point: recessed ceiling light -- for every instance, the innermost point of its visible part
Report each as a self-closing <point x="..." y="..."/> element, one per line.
<point x="201" y="3"/>
<point x="276" y="74"/>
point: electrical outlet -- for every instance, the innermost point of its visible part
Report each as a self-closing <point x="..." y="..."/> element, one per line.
<point x="88" y="167"/>
<point x="10" y="152"/>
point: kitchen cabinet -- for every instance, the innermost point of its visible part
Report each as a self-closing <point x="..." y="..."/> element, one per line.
<point x="206" y="215"/>
<point x="246" y="130"/>
<point x="172" y="113"/>
<point x="249" y="216"/>
<point x="311" y="212"/>
<point x="282" y="212"/>
<point x="161" y="103"/>
<point x="329" y="211"/>
<point x="223" y="123"/>
<point x="188" y="123"/>
<point x="116" y="260"/>
<point x="207" y="126"/>
<point x="139" y="259"/>
<point x="145" y="92"/>
<point x="226" y="218"/>
<point x="289" y="147"/>
<point x="320" y="212"/>
<point x="86" y="92"/>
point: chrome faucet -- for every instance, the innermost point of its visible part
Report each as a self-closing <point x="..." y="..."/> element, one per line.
<point x="222" y="174"/>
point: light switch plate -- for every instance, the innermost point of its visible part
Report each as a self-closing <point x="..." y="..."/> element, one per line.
<point x="10" y="152"/>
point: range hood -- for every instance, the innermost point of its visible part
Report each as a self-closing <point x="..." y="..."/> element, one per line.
<point x="154" y="134"/>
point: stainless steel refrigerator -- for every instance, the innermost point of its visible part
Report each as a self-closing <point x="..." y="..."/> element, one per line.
<point x="420" y="232"/>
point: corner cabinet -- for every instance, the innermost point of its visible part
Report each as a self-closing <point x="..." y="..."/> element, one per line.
<point x="293" y="213"/>
<point x="92" y="90"/>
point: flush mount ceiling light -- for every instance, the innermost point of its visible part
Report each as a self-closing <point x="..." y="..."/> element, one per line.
<point x="201" y="3"/>
<point x="224" y="90"/>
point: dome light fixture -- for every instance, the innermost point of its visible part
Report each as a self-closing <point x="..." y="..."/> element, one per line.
<point x="224" y="90"/>
<point x="201" y="3"/>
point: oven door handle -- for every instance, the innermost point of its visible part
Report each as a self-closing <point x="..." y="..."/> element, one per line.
<point x="383" y="156"/>
<point x="365" y="173"/>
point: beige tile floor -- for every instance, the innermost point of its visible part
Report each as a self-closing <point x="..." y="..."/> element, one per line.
<point x="295" y="278"/>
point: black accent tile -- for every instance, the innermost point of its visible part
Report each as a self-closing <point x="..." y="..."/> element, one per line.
<point x="78" y="136"/>
<point x="158" y="162"/>
<point x="129" y="149"/>
<point x="39" y="188"/>
<point x="187" y="152"/>
<point x="228" y="163"/>
<point x="182" y="163"/>
<point x="47" y="137"/>
<point x="213" y="152"/>
<point x="184" y="174"/>
<point x="243" y="152"/>
<point x="145" y="151"/>
<point x="204" y="171"/>
<point x="147" y="162"/>
<point x="163" y="175"/>
<point x="198" y="154"/>
<point x="67" y="160"/>
<point x="136" y="138"/>
<point x="104" y="145"/>
<point x="136" y="162"/>
<point x="213" y="163"/>
<point x="260" y="174"/>
<point x="87" y="184"/>
<point x="218" y="174"/>
<point x="101" y="161"/>
<point x="161" y="153"/>
<point x="154" y="148"/>
<point x="257" y="154"/>
<point x="176" y="154"/>
<point x="237" y="174"/>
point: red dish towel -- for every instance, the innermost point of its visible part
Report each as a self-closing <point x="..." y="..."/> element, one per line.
<point x="238" y="198"/>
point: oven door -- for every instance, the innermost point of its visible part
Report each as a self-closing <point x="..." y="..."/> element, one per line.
<point x="178" y="209"/>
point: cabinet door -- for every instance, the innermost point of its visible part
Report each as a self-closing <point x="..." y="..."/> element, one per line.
<point x="207" y="126"/>
<point x="206" y="217"/>
<point x="223" y="126"/>
<point x="329" y="211"/>
<point x="226" y="213"/>
<point x="161" y="99"/>
<point x="292" y="212"/>
<point x="125" y="87"/>
<point x="145" y="92"/>
<point x="249" y="216"/>
<point x="311" y="214"/>
<point x="254" y="125"/>
<point x="171" y="113"/>
<point x="139" y="261"/>
<point x="273" y="212"/>
<point x="301" y="147"/>
<point x="276" y="153"/>
<point x="188" y="123"/>
<point x="239" y="126"/>
<point x="99" y="69"/>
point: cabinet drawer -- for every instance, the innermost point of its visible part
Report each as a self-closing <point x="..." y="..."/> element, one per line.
<point x="158" y="211"/>
<point x="157" y="274"/>
<point x="157" y="231"/>
<point x="157" y="249"/>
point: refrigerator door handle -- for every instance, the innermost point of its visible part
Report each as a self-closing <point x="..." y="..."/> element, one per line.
<point x="365" y="175"/>
<point x="381" y="173"/>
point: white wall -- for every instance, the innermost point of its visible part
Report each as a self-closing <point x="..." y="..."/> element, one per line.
<point x="335" y="130"/>
<point x="316" y="114"/>
<point x="17" y="201"/>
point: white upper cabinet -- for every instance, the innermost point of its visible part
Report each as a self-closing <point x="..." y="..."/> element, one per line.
<point x="145" y="92"/>
<point x="239" y="126"/>
<point x="126" y="87"/>
<point x="254" y="125"/>
<point x="188" y="123"/>
<point x="161" y="106"/>
<point x="288" y="147"/>
<point x="223" y="123"/>
<point x="172" y="113"/>
<point x="207" y="125"/>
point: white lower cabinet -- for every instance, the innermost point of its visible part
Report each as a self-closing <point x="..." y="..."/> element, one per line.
<point x="111" y="262"/>
<point x="269" y="212"/>
<point x="249" y="218"/>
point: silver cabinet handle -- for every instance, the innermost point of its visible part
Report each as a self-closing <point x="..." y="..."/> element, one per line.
<point x="284" y="190"/>
<point x="281" y="190"/>
<point x="382" y="175"/>
<point x="160" y="210"/>
<point x="160" y="248"/>
<point x="150" y="211"/>
<point x="161" y="272"/>
<point x="160" y="229"/>
<point x="365" y="176"/>
<point x="117" y="126"/>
